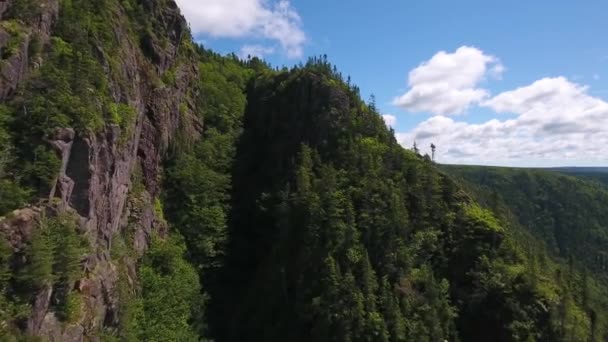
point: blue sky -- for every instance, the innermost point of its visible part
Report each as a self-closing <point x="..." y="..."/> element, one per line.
<point x="557" y="49"/>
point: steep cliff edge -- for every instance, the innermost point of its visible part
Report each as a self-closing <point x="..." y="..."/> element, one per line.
<point x="136" y="63"/>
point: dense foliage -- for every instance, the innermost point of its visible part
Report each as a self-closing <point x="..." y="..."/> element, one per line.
<point x="77" y="80"/>
<point x="296" y="216"/>
<point x="316" y="225"/>
<point x="170" y="294"/>
<point x="568" y="214"/>
<point x="598" y="174"/>
<point x="51" y="260"/>
<point x="561" y="223"/>
<point x="68" y="90"/>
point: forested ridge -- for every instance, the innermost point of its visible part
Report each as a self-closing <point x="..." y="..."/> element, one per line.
<point x="567" y="213"/>
<point x="258" y="203"/>
<point x="598" y="174"/>
<point x="559" y="215"/>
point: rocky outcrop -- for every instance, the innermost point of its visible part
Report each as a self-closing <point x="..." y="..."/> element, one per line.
<point x="62" y="141"/>
<point x="18" y="38"/>
<point x="3" y="7"/>
<point x="17" y="227"/>
<point x="97" y="168"/>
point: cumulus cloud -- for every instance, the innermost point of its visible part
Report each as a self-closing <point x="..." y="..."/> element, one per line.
<point x="448" y="82"/>
<point x="261" y="19"/>
<point x="390" y="120"/>
<point x="556" y="121"/>
<point x="553" y="102"/>
<point x="255" y="51"/>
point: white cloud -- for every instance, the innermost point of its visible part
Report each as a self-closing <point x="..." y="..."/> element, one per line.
<point x="259" y="19"/>
<point x="255" y="51"/>
<point x="390" y="120"/>
<point x="596" y="77"/>
<point x="547" y="99"/>
<point x="448" y="82"/>
<point x="557" y="122"/>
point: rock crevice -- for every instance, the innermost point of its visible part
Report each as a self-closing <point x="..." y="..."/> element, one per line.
<point x="96" y="173"/>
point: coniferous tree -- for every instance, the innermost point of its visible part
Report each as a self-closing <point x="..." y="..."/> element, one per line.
<point x="38" y="271"/>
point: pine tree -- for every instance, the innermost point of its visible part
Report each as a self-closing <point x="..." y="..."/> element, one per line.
<point x="38" y="271"/>
<point x="391" y="312"/>
<point x="68" y="248"/>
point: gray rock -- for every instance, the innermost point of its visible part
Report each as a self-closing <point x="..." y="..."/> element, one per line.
<point x="96" y="171"/>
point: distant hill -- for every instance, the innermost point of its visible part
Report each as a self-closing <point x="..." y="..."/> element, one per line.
<point x="598" y="174"/>
<point x="562" y="212"/>
<point x="576" y="169"/>
<point x="566" y="211"/>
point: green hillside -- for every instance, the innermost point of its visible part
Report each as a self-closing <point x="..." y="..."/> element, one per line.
<point x="332" y="231"/>
<point x="569" y="214"/>
<point x="560" y="217"/>
<point x="153" y="190"/>
<point x="599" y="174"/>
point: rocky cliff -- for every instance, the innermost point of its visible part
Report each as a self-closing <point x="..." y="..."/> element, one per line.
<point x="152" y="71"/>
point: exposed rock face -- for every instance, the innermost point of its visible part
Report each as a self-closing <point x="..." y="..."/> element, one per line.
<point x="17" y="228"/>
<point x="3" y="7"/>
<point x="62" y="142"/>
<point x="16" y="66"/>
<point x="96" y="172"/>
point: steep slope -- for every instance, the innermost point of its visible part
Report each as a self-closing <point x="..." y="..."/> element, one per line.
<point x="93" y="93"/>
<point x="557" y="217"/>
<point x="569" y="214"/>
<point x="292" y="214"/>
<point x="337" y="233"/>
